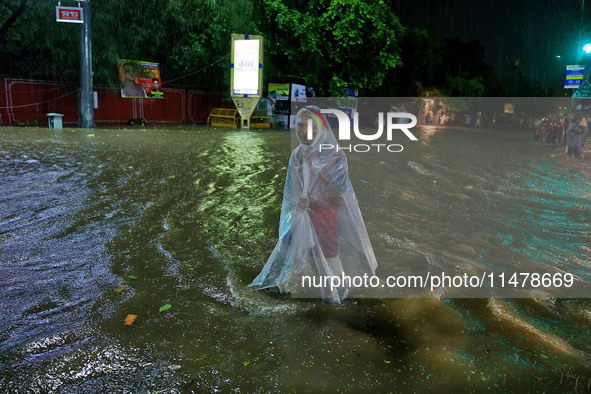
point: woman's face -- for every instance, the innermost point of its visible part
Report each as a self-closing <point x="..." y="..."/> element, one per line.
<point x="302" y="130"/>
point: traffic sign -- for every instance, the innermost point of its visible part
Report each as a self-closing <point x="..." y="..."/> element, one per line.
<point x="583" y="91"/>
<point x="574" y="76"/>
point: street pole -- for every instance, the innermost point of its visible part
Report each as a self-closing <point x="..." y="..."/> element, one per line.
<point x="581" y="32"/>
<point x="86" y="103"/>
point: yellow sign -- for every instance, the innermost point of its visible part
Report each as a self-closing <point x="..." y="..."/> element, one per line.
<point x="279" y="91"/>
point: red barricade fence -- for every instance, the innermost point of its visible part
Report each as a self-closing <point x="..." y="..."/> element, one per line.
<point x="25" y="101"/>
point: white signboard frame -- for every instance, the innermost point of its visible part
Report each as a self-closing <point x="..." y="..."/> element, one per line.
<point x="246" y="66"/>
<point x="246" y="70"/>
<point x="77" y="10"/>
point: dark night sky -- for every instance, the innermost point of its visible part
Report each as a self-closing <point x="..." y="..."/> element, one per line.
<point x="533" y="31"/>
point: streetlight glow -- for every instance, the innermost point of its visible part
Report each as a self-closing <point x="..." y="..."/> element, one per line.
<point x="587" y="48"/>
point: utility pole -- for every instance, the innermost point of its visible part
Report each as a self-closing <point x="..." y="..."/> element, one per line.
<point x="86" y="101"/>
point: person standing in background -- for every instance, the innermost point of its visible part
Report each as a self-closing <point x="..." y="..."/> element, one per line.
<point x="574" y="134"/>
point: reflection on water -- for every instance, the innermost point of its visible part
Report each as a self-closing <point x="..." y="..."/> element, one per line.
<point x="95" y="228"/>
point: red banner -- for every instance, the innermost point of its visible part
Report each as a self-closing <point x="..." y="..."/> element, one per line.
<point x="68" y="14"/>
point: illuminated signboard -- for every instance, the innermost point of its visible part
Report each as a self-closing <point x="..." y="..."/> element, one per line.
<point x="68" y="14"/>
<point x="574" y="76"/>
<point x="245" y="67"/>
<point x="246" y="71"/>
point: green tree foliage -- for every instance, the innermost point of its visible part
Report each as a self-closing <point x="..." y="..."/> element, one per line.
<point x="328" y="44"/>
<point x="184" y="36"/>
<point x="200" y="31"/>
<point x="465" y="87"/>
<point x="421" y="59"/>
<point x="25" y="40"/>
<point x="331" y="44"/>
<point x="10" y="12"/>
<point x="464" y="68"/>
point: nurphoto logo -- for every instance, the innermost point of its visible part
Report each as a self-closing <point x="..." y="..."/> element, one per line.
<point x="393" y="123"/>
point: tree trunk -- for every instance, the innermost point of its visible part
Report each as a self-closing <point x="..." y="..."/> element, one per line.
<point x="13" y="17"/>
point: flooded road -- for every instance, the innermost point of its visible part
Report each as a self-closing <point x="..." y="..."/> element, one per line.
<point x="94" y="227"/>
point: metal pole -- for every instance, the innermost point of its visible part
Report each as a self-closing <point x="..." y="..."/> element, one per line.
<point x="86" y="90"/>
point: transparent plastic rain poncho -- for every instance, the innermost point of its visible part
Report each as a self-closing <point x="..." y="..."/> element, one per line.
<point x="328" y="238"/>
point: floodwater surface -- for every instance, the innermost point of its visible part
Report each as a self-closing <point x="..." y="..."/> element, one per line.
<point x="172" y="224"/>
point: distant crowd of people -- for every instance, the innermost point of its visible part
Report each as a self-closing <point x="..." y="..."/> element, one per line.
<point x="567" y="132"/>
<point x="438" y="118"/>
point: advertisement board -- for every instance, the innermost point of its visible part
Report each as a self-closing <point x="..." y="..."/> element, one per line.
<point x="246" y="67"/>
<point x="140" y="79"/>
<point x="279" y="91"/>
<point x="246" y="74"/>
<point x="574" y="76"/>
<point x="298" y="93"/>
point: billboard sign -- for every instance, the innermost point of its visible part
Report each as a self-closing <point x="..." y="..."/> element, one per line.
<point x="245" y="67"/>
<point x="298" y="93"/>
<point x="246" y="74"/>
<point x="140" y="79"/>
<point x="574" y="76"/>
<point x="279" y="91"/>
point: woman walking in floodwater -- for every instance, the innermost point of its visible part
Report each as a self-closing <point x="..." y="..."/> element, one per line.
<point x="321" y="231"/>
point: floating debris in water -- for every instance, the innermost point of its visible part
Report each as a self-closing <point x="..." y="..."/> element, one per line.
<point x="129" y="319"/>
